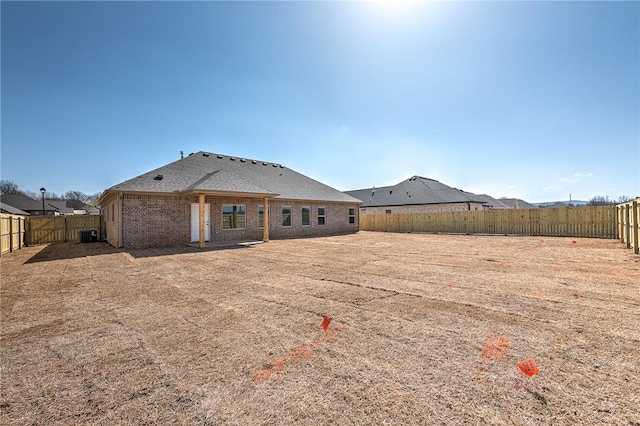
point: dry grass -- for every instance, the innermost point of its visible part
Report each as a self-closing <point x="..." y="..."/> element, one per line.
<point x="427" y="329"/>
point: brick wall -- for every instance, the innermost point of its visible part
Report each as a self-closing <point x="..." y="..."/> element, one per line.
<point x="422" y="208"/>
<point x="157" y="221"/>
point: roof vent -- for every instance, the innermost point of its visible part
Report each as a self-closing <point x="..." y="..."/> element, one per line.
<point x="232" y="158"/>
<point x="158" y="177"/>
<point x="274" y="165"/>
<point x="281" y="166"/>
<point x="254" y="162"/>
<point x="264" y="164"/>
<point x="242" y="160"/>
<point x="220" y="157"/>
<point x="204" y="154"/>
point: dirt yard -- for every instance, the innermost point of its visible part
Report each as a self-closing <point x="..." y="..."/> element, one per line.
<point x="426" y="329"/>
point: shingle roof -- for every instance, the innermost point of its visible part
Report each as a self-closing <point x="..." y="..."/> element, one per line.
<point x="415" y="190"/>
<point x="5" y="208"/>
<point x="220" y="174"/>
<point x="20" y="201"/>
<point x="521" y="203"/>
<point x="492" y="202"/>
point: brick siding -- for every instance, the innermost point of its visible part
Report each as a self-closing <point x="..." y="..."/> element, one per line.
<point x="161" y="221"/>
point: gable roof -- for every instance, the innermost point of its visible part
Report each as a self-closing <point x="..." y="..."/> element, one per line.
<point x="511" y="202"/>
<point x="5" y="208"/>
<point x="492" y="202"/>
<point x="218" y="174"/>
<point x="415" y="190"/>
<point x="22" y="202"/>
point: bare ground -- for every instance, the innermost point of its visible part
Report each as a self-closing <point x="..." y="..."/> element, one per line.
<point x="426" y="329"/>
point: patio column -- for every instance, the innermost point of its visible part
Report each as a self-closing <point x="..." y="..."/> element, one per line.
<point x="201" y="221"/>
<point x="265" y="222"/>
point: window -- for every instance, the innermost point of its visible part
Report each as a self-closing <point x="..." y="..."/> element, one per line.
<point x="387" y="211"/>
<point x="352" y="215"/>
<point x="233" y="216"/>
<point x="306" y="216"/>
<point x="322" y="216"/>
<point x="113" y="214"/>
<point x="286" y="215"/>
<point x="260" y="216"/>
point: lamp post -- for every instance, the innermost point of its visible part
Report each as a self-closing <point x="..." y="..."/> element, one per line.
<point x="42" y="191"/>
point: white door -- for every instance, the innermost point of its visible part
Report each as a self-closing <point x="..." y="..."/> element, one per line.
<point x="195" y="222"/>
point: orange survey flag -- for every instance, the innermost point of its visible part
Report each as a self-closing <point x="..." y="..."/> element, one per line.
<point x="528" y="367"/>
<point x="325" y="322"/>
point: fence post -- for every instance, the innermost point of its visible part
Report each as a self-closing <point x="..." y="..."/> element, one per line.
<point x="635" y="214"/>
<point x="627" y="228"/>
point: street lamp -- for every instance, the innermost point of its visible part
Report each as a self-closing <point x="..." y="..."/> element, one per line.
<point x="42" y="191"/>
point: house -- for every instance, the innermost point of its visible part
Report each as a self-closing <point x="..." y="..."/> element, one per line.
<point x="5" y="208"/>
<point x="492" y="203"/>
<point x="220" y="198"/>
<point x="516" y="203"/>
<point x="415" y="195"/>
<point x="27" y="204"/>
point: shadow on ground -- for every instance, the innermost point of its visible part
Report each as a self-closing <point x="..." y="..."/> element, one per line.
<point x="75" y="250"/>
<point x="71" y="251"/>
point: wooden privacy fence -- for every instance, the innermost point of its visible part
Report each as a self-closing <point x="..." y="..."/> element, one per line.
<point x="60" y="229"/>
<point x="628" y="224"/>
<point x="12" y="232"/>
<point x="592" y="221"/>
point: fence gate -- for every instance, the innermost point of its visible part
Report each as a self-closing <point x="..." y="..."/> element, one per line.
<point x="60" y="229"/>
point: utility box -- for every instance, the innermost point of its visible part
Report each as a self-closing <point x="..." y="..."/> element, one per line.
<point x="88" y="236"/>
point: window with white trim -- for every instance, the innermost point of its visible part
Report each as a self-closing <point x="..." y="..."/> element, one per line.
<point x="322" y="216"/>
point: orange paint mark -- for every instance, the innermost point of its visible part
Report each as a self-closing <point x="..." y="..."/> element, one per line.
<point x="539" y="294"/>
<point x="574" y="242"/>
<point x="576" y="296"/>
<point x="297" y="354"/>
<point x="495" y="348"/>
<point x="262" y="375"/>
<point x="529" y="367"/>
<point x="452" y="284"/>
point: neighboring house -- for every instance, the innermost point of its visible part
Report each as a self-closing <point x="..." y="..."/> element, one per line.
<point x="29" y="205"/>
<point x="5" y="208"/>
<point x="213" y="197"/>
<point x="415" y="195"/>
<point x="516" y="203"/>
<point x="62" y="207"/>
<point x="492" y="203"/>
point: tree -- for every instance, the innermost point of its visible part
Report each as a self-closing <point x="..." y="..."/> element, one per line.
<point x="624" y="199"/>
<point x="76" y="199"/>
<point x="600" y="200"/>
<point x="8" y="187"/>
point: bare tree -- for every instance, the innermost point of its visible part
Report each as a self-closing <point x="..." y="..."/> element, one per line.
<point x="600" y="200"/>
<point x="8" y="187"/>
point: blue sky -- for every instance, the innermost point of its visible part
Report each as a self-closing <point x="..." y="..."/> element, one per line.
<point x="536" y="100"/>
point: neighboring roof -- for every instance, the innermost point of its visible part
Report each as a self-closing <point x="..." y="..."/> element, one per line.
<point x="5" y="208"/>
<point x="61" y="206"/>
<point x="492" y="202"/>
<point x="20" y="201"/>
<point x="415" y="190"/>
<point x="511" y="202"/>
<point x="210" y="173"/>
